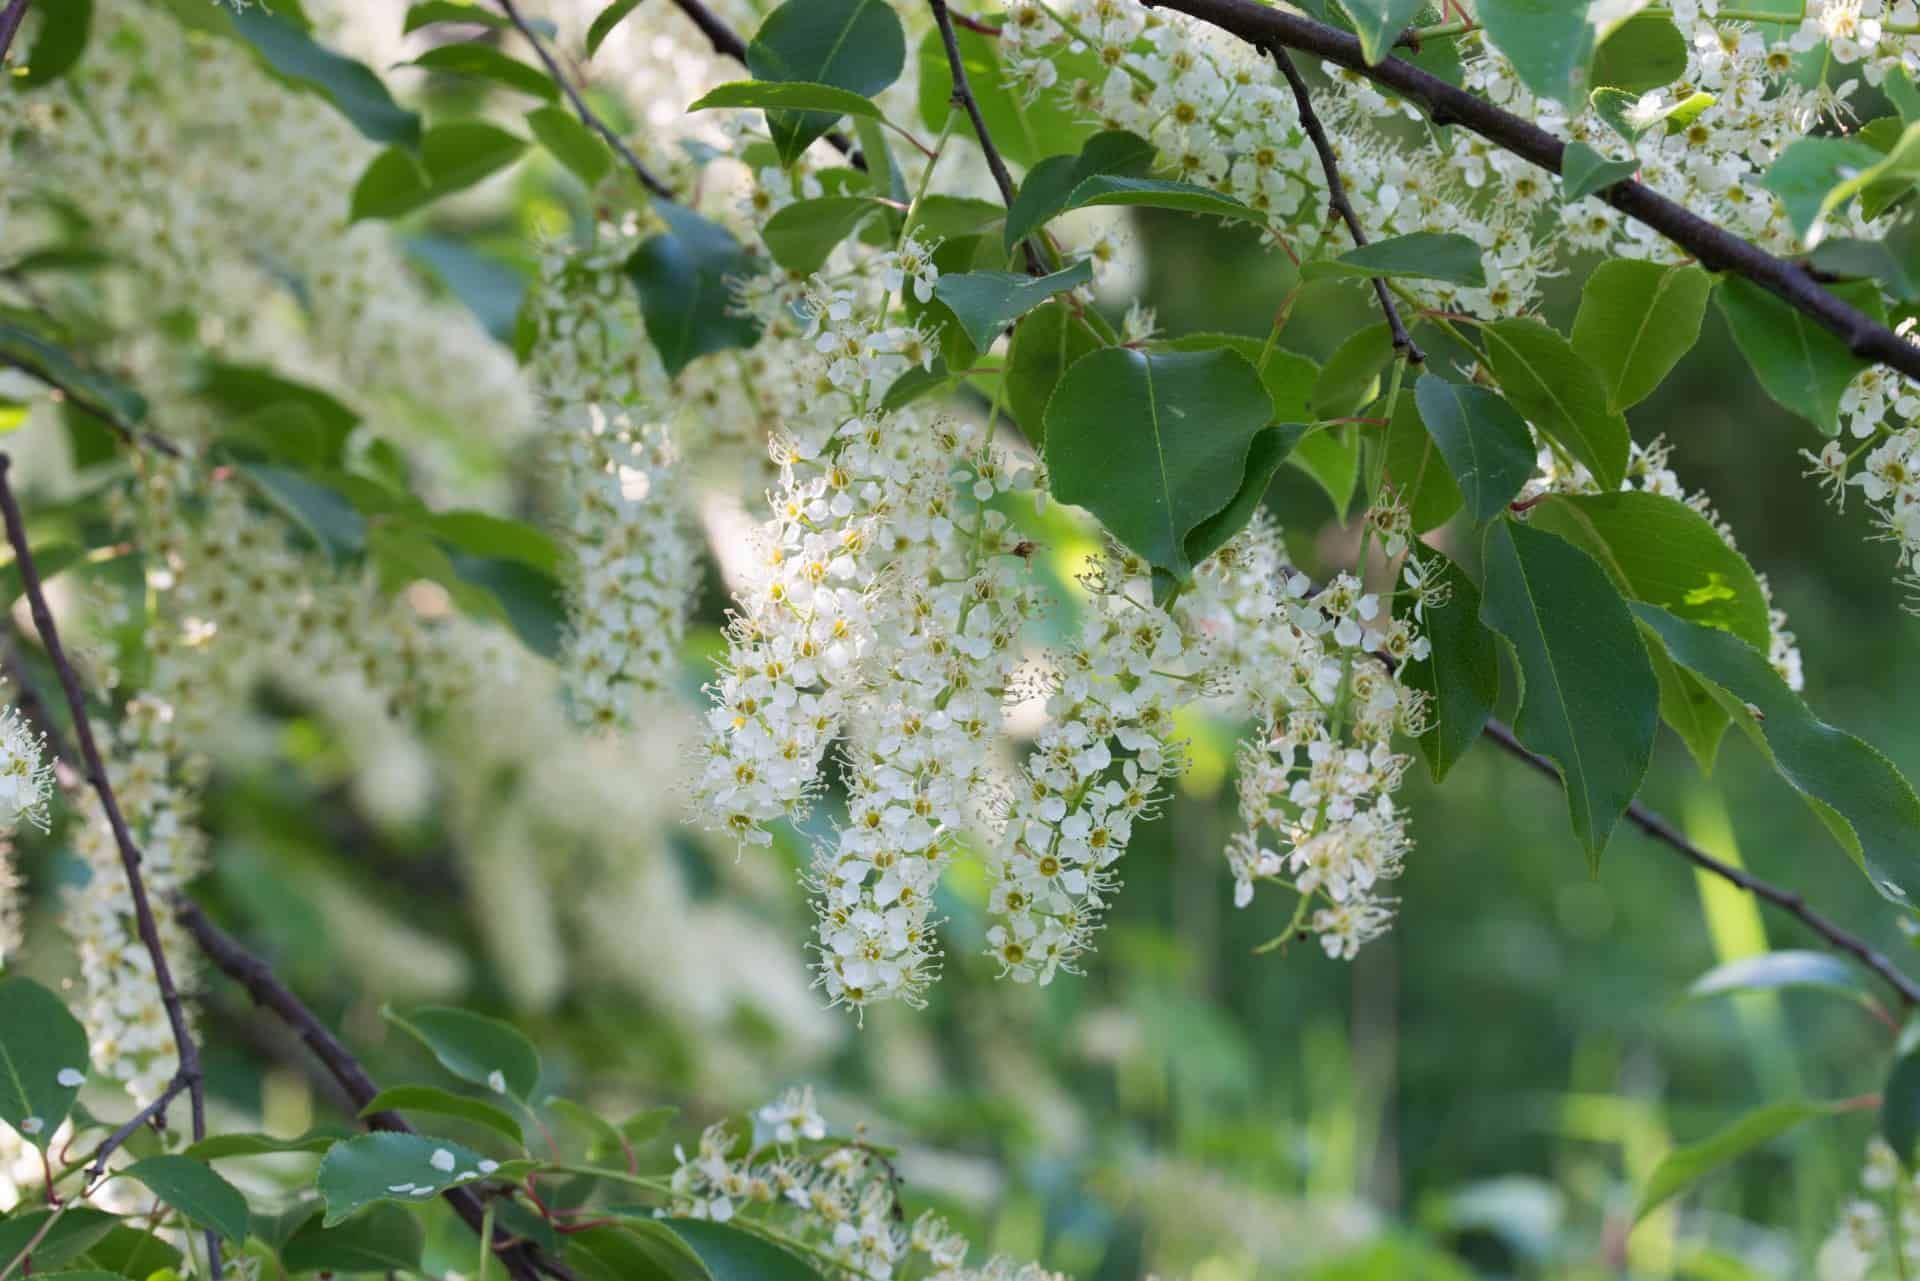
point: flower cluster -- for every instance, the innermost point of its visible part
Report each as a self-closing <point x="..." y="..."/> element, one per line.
<point x="836" y="1200"/>
<point x="1880" y="410"/>
<point x="26" y="784"/>
<point x="1883" y="1219"/>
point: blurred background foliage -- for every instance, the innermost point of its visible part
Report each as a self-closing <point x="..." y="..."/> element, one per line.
<point x="1481" y="1094"/>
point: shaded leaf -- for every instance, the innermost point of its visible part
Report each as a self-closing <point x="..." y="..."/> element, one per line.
<point x="1584" y="171"/>
<point x="383" y="1238"/>
<point x="484" y="62"/>
<point x="1158" y="193"/>
<point x="1636" y="320"/>
<point x="584" y="153"/>
<point x="1643" y="53"/>
<point x="1048" y="340"/>
<point x="1050" y="184"/>
<point x="1269" y="449"/>
<point x="986" y="302"/>
<point x="1486" y="444"/>
<point x="219" y="1146"/>
<point x="1350" y="380"/>
<point x="605" y="21"/>
<point x="729" y="1254"/>
<point x="1802" y="366"/>
<point x="1379" y="23"/>
<point x="682" y="276"/>
<point x="1549" y="42"/>
<point x="356" y="91"/>
<point x="791" y="95"/>
<point x="43" y="1059"/>
<point x="802" y="235"/>
<point x="196" y="1191"/>
<point x="1426" y="255"/>
<point x="1557" y="391"/>
<point x="432" y="1099"/>
<point x="1416" y="473"/>
<point x="473" y="1047"/>
<point x="63" y="38"/>
<point x="1024" y="130"/>
<point x="333" y="523"/>
<point x="1685" y="1165"/>
<point x="1461" y="675"/>
<point x="856" y="45"/>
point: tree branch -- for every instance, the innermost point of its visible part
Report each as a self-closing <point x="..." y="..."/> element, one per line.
<point x="1715" y="248"/>
<point x="152" y="1112"/>
<point x="727" y="43"/>
<point x="580" y="107"/>
<point x="10" y="18"/>
<point x="1660" y="829"/>
<point x="524" y="1261"/>
<point x="963" y="97"/>
<point x="1337" y="200"/>
<point x="93" y="409"/>
<point x="187" y="1052"/>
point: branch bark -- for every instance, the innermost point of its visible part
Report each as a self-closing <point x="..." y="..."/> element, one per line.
<point x="1660" y="829"/>
<point x="185" y="1049"/>
<point x="1715" y="248"/>
<point x="10" y="19"/>
<point x="963" y="96"/>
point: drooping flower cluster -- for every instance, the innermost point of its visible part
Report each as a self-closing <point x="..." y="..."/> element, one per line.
<point x="1880" y="410"/>
<point x="837" y="1200"/>
<point x="1885" y="1217"/>
<point x="26" y="784"/>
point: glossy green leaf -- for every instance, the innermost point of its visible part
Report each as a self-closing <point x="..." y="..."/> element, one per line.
<point x="35" y="353"/>
<point x="132" y="1253"/>
<point x="484" y="534"/>
<point x="196" y="1191"/>
<point x="1584" y="171"/>
<point x="75" y="1231"/>
<point x="428" y="12"/>
<point x="359" y="94"/>
<point x="1900" y="1103"/>
<point x="1026" y="130"/>
<point x="1802" y="365"/>
<point x="43" y="1059"/>
<point x="801" y="236"/>
<point x="1270" y="448"/>
<point x="1589" y="700"/>
<point x="1549" y="42"/>
<point x="1644" y="53"/>
<point x="788" y="96"/>
<point x="1350" y="380"/>
<point x="382" y="1238"/>
<point x="1415" y="472"/>
<point x="682" y="275"/>
<point x="1050" y="184"/>
<point x="385" y="1166"/>
<point x="942" y="216"/>
<point x="1461" y="676"/>
<point x="453" y="157"/>
<point x="986" y="302"/>
<point x="62" y="39"/>
<point x="1626" y="114"/>
<point x="1686" y="1165"/>
<point x="1870" y="808"/>
<point x="1636" y="320"/>
<point x="1154" y="443"/>
<point x="605" y="21"/>
<point x="1379" y="23"/>
<point x="1486" y="444"/>
<point x="1815" y="176"/>
<point x="580" y="149"/>
<point x="484" y="62"/>
<point x="1046" y="342"/>
<point x="474" y="1047"/>
<point x="1778" y="971"/>
<point x="1331" y="456"/>
<point x="1893" y="261"/>
<point x="1158" y="193"/>
<point x="333" y="523"/>
<point x="438" y="1102"/>
<point x="730" y="1254"/>
<point x="217" y="1147"/>
<point x="1425" y="255"/>
<point x="856" y="45"/>
<point x="1557" y="391"/>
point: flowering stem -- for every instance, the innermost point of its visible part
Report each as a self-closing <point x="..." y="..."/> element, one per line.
<point x="963" y="96"/>
<point x="1786" y="900"/>
<point x="187" y="1052"/>
<point x="580" y="107"/>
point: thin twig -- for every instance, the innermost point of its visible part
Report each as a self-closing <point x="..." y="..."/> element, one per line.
<point x="152" y="1112"/>
<point x="580" y="107"/>
<point x="1666" y="833"/>
<point x="525" y="1261"/>
<point x="1716" y="248"/>
<point x="96" y="770"/>
<point x="1337" y="200"/>
<point x="93" y="409"/>
<point x="963" y="97"/>
<point x="10" y="18"/>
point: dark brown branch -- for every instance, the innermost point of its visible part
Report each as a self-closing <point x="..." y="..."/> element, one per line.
<point x="10" y="18"/>
<point x="1337" y="201"/>
<point x="153" y="1112"/>
<point x="93" y="409"/>
<point x="727" y="43"/>
<point x="524" y="1261"/>
<point x="580" y="107"/>
<point x="96" y="770"/>
<point x="1660" y="829"/>
<point x="963" y="97"/>
<point x="1445" y="104"/>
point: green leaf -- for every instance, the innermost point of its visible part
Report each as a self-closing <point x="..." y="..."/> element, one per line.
<point x="384" y="1238"/>
<point x="1549" y="42"/>
<point x="75" y="1232"/>
<point x="1636" y="320"/>
<point x="1644" y="53"/>
<point x="428" y="12"/>
<point x="1589" y="701"/>
<point x="54" y="365"/>
<point x="1893" y="261"/>
<point x="1158" y="193"/>
<point x="986" y="302"/>
<point x="1861" y="797"/>
<point x="532" y="601"/>
<point x="1486" y="445"/>
<point x="1558" y="392"/>
<point x="484" y="62"/>
<point x="217" y="1147"/>
<point x="945" y="216"/>
<point x="729" y="1254"/>
<point x="452" y="158"/>
<point x="484" y="534"/>
<point x="1350" y="380"/>
<point x="1900" y="1101"/>
<point x="1685" y="1165"/>
<point x="1050" y="183"/>
<point x="580" y="149"/>
<point x="1379" y="23"/>
<point x="355" y="91"/>
<point x="43" y="1059"/>
<point x="474" y="1047"/>
<point x="1046" y="342"/>
<point x="1801" y="364"/>
<point x="856" y="45"/>
<point x="129" y="1252"/>
<point x="1775" y="971"/>
<point x="408" y="1168"/>
<point x="1584" y="171"/>
<point x="1815" y="176"/>
<point x="603" y="25"/>
<point x="428" y="1098"/>
<point x="1623" y="113"/>
<point x="1332" y="457"/>
<point x="62" y="39"/>
<point x="1024" y="131"/>
<point x="1154" y="443"/>
<point x="803" y="234"/>
<point x="1426" y="255"/>
<point x="200" y="1195"/>
<point x="1416" y="473"/>
<point x="1461" y="676"/>
<point x="682" y="277"/>
<point x="791" y="95"/>
<point x="1270" y="448"/>
<point x="333" y="523"/>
